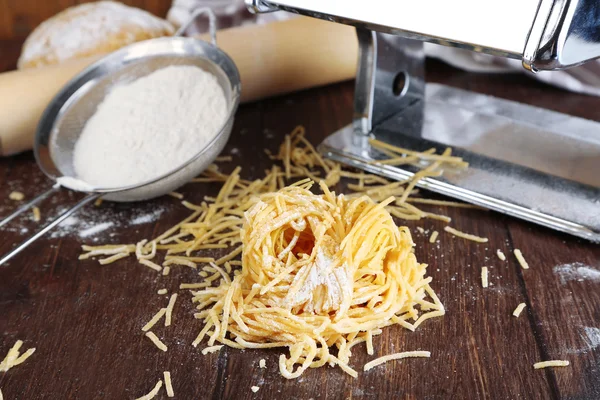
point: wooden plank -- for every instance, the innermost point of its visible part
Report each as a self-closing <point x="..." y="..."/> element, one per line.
<point x="563" y="291"/>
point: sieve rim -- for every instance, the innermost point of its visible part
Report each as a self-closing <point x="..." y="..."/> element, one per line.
<point x="66" y="98"/>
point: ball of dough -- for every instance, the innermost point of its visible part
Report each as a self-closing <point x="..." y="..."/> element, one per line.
<point x="89" y="29"/>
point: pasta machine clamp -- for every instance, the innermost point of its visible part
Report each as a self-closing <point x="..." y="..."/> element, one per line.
<point x="527" y="162"/>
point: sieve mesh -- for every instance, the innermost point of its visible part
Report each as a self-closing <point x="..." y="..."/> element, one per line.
<point x="85" y="100"/>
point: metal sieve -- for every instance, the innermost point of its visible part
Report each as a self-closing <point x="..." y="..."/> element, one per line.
<point x="64" y="119"/>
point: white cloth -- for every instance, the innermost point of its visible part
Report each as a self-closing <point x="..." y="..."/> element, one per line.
<point x="581" y="79"/>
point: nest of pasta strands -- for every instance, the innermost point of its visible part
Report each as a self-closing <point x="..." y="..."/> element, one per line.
<point x="318" y="271"/>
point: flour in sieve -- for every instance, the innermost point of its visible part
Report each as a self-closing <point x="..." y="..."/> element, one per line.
<point x="150" y="127"/>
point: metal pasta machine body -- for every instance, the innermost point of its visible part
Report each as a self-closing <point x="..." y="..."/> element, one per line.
<point x="527" y="162"/>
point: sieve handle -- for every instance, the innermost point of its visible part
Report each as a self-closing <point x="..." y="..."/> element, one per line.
<point x="86" y="200"/>
<point x="212" y="23"/>
<point x="28" y="205"/>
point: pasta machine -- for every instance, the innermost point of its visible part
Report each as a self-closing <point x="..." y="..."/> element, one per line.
<point x="531" y="163"/>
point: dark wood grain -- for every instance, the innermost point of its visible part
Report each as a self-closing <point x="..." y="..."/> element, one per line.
<point x="85" y="319"/>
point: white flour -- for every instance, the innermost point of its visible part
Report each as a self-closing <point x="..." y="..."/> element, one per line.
<point x="576" y="272"/>
<point x="149" y="127"/>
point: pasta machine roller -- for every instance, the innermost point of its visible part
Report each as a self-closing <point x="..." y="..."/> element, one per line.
<point x="527" y="162"/>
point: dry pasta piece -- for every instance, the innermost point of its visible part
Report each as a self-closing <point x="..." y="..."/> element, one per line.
<point x="519" y="310"/>
<point x="262" y="363"/>
<point x="255" y="389"/>
<point x="37" y="215"/>
<point x="464" y="235"/>
<point x="14" y="358"/>
<point x="433" y="237"/>
<point x="169" y="309"/>
<point x="500" y="255"/>
<point x="16" y="196"/>
<point x="551" y="363"/>
<point x="521" y="259"/>
<point x="150" y="264"/>
<point x="154" y="319"/>
<point x="484" y="277"/>
<point x="157" y="342"/>
<point x="168" y="384"/>
<point x="211" y="349"/>
<point x="112" y="259"/>
<point x="177" y="195"/>
<point x="396" y="356"/>
<point x="153" y="392"/>
<point x="162" y="291"/>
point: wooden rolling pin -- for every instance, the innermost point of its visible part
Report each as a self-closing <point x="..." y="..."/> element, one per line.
<point x="275" y="58"/>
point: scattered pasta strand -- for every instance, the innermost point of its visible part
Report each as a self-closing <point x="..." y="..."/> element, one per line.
<point x="396" y="356"/>
<point x="211" y="349"/>
<point x="463" y="235"/>
<point x="37" y="215"/>
<point x="518" y="310"/>
<point x="168" y="384"/>
<point x="551" y="363"/>
<point x="14" y="357"/>
<point x="500" y="255"/>
<point x="169" y="309"/>
<point x="16" y="196"/>
<point x="521" y="259"/>
<point x="484" y="277"/>
<point x="157" y="342"/>
<point x="154" y="319"/>
<point x="153" y="392"/>
<point x="433" y="237"/>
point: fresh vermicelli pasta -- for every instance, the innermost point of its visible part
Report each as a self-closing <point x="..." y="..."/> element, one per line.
<point x="316" y="274"/>
<point x="317" y="271"/>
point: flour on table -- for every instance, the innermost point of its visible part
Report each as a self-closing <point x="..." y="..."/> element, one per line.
<point x="148" y="217"/>
<point x="576" y="272"/>
<point x="91" y="223"/>
<point x="592" y="336"/>
<point x="150" y="127"/>
<point x="93" y="230"/>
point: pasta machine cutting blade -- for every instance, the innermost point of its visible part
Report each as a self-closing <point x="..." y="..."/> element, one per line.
<point x="527" y="162"/>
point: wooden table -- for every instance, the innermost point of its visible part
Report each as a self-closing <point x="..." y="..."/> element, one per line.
<point x="85" y="319"/>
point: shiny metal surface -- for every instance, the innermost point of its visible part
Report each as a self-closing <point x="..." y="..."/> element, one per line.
<point x="544" y="34"/>
<point x="570" y="36"/>
<point x="260" y="6"/>
<point x="526" y="162"/>
<point x="364" y="87"/>
<point x="389" y="77"/>
<point x="490" y="183"/>
<point x="493" y="27"/>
